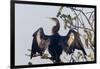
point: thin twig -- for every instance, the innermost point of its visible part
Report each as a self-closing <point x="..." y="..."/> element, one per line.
<point x="84" y="15"/>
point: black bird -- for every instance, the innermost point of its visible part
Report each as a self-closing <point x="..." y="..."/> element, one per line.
<point x="56" y="43"/>
<point x="54" y="48"/>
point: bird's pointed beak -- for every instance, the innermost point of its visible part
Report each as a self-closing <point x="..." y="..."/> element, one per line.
<point x="49" y="17"/>
<point x="52" y="18"/>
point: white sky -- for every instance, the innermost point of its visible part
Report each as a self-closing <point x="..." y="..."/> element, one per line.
<point x="28" y="18"/>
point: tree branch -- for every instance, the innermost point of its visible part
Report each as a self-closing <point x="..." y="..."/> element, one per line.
<point x="84" y="15"/>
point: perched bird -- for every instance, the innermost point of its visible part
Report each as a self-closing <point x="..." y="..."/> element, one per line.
<point x="56" y="43"/>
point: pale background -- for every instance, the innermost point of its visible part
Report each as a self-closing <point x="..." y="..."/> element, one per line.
<point x="29" y="18"/>
<point x="5" y="34"/>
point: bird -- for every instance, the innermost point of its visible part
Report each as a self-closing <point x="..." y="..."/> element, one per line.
<point x="56" y="43"/>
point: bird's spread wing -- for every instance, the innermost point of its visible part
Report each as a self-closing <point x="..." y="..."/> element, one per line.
<point x="40" y="42"/>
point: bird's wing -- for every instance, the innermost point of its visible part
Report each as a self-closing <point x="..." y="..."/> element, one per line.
<point x="81" y="45"/>
<point x="43" y="41"/>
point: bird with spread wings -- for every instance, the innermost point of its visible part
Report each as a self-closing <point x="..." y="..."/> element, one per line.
<point x="56" y="43"/>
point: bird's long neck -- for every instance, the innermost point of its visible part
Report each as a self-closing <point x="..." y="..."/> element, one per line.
<point x="56" y="28"/>
<point x="57" y="25"/>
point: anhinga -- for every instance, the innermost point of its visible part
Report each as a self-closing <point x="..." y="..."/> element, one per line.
<point x="56" y="43"/>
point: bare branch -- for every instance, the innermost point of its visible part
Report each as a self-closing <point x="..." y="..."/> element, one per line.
<point x="84" y="15"/>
